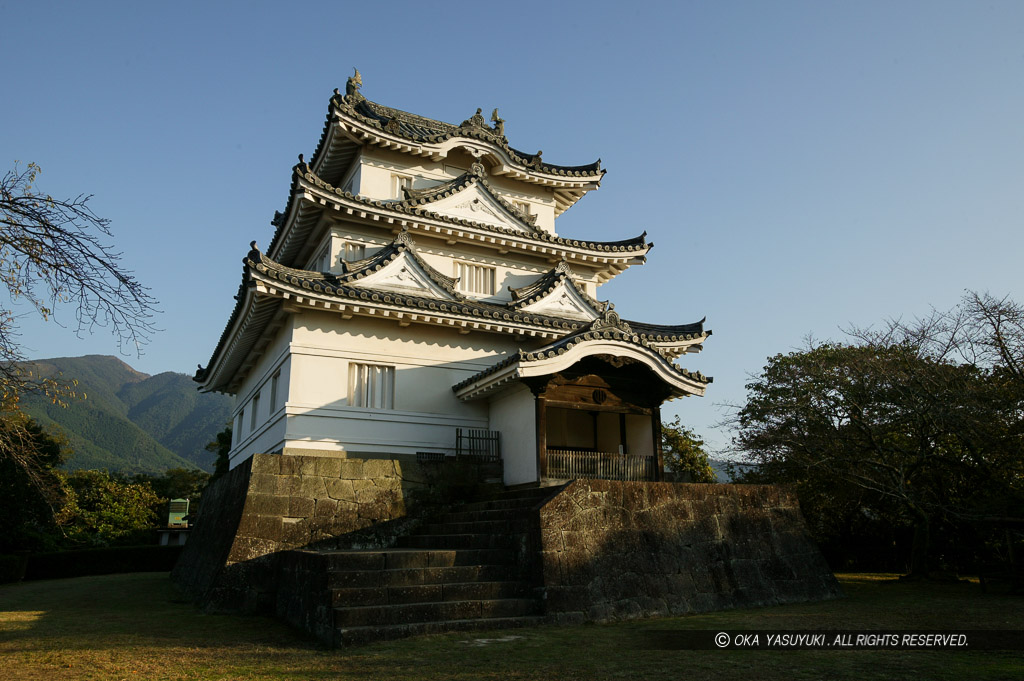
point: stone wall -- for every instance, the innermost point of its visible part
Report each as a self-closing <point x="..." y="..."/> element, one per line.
<point x="272" y="503"/>
<point x="612" y="550"/>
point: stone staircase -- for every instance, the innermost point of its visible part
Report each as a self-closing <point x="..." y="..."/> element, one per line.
<point x="467" y="569"/>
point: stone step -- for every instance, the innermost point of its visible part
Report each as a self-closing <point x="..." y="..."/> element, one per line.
<point x="458" y="541"/>
<point x="530" y="492"/>
<point x="476" y="527"/>
<point x="459" y="516"/>
<point x="517" y="504"/>
<point x="437" y="611"/>
<point x="429" y="593"/>
<point x="343" y="579"/>
<point x="346" y="636"/>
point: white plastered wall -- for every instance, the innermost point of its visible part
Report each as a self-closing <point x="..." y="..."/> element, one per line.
<point x="514" y="415"/>
<point x="269" y="433"/>
<point x="427" y="362"/>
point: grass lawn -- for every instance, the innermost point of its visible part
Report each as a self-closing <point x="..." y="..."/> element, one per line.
<point x="136" y="626"/>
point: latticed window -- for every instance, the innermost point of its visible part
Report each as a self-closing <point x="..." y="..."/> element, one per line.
<point x="475" y="278"/>
<point x="371" y="386"/>
<point x="255" y="412"/>
<point x="353" y="251"/>
<point x="274" y="381"/>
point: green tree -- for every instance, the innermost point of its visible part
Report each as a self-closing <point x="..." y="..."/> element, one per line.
<point x="104" y="510"/>
<point x="222" y="448"/>
<point x="684" y="454"/>
<point x="891" y="426"/>
<point x="28" y="517"/>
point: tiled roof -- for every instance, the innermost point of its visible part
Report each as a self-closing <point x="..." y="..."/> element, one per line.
<point x="418" y="207"/>
<point x="475" y="175"/>
<point x="667" y="333"/>
<point x="422" y="130"/>
<point x="531" y="293"/>
<point x="607" y="327"/>
<point x="403" y="243"/>
<point x="342" y="287"/>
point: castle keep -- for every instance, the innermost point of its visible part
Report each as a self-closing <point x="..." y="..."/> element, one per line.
<point x="417" y="319"/>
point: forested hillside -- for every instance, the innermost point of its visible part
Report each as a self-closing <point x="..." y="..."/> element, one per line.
<point x="129" y="421"/>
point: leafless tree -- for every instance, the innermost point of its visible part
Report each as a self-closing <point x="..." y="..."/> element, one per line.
<point x="56" y="253"/>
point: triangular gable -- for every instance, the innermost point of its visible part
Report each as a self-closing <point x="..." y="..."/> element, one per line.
<point x="404" y="274"/>
<point x="476" y="204"/>
<point x="563" y="300"/>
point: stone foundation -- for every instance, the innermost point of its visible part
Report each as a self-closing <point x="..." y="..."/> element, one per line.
<point x="597" y="550"/>
<point x="612" y="550"/>
<point x="272" y="503"/>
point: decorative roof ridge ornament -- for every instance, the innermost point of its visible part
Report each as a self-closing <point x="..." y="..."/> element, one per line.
<point x="475" y="121"/>
<point x="254" y="253"/>
<point x="477" y="169"/>
<point x="404" y="239"/>
<point x="610" y="321"/>
<point x="352" y="85"/>
<point x="499" y="124"/>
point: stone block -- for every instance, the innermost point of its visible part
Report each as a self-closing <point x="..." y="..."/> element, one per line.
<point x="410" y="471"/>
<point x="324" y="508"/>
<point x="352" y="469"/>
<point x="262" y="483"/>
<point x="285" y="485"/>
<point x="341" y="490"/>
<point x="328" y="467"/>
<point x="266" y="504"/>
<point x="300" y="506"/>
<point x="266" y="464"/>
<point x="295" y="531"/>
<point x="305" y="465"/>
<point x="378" y="468"/>
<point x="269" y="527"/>
<point x="312" y="486"/>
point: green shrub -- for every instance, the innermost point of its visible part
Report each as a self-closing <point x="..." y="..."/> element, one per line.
<point x="12" y="567"/>
<point x="102" y="561"/>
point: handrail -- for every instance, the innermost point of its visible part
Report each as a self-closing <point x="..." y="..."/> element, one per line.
<point x="569" y="464"/>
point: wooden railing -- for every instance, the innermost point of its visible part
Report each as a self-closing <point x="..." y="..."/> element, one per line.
<point x="571" y="464"/>
<point x="479" y="444"/>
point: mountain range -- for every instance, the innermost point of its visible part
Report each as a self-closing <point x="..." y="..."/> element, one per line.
<point x="127" y="421"/>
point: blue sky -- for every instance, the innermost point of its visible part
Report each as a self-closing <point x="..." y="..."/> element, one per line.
<point x="800" y="166"/>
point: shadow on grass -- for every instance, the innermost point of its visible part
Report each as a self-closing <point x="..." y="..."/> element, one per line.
<point x="137" y="626"/>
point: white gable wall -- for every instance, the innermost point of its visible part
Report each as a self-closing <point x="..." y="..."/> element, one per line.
<point x="377" y="167"/>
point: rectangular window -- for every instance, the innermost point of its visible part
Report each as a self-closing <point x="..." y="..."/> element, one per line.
<point x="255" y="411"/>
<point x="475" y="278"/>
<point x="522" y="206"/>
<point x="371" y="386"/>
<point x="241" y="422"/>
<point x="275" y="379"/>
<point x="353" y="251"/>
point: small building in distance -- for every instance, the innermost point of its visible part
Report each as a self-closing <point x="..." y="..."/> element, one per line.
<point x="416" y="299"/>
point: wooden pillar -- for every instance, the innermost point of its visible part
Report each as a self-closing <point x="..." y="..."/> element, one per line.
<point x="542" y="437"/>
<point x="659" y="470"/>
<point x="623" y="442"/>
